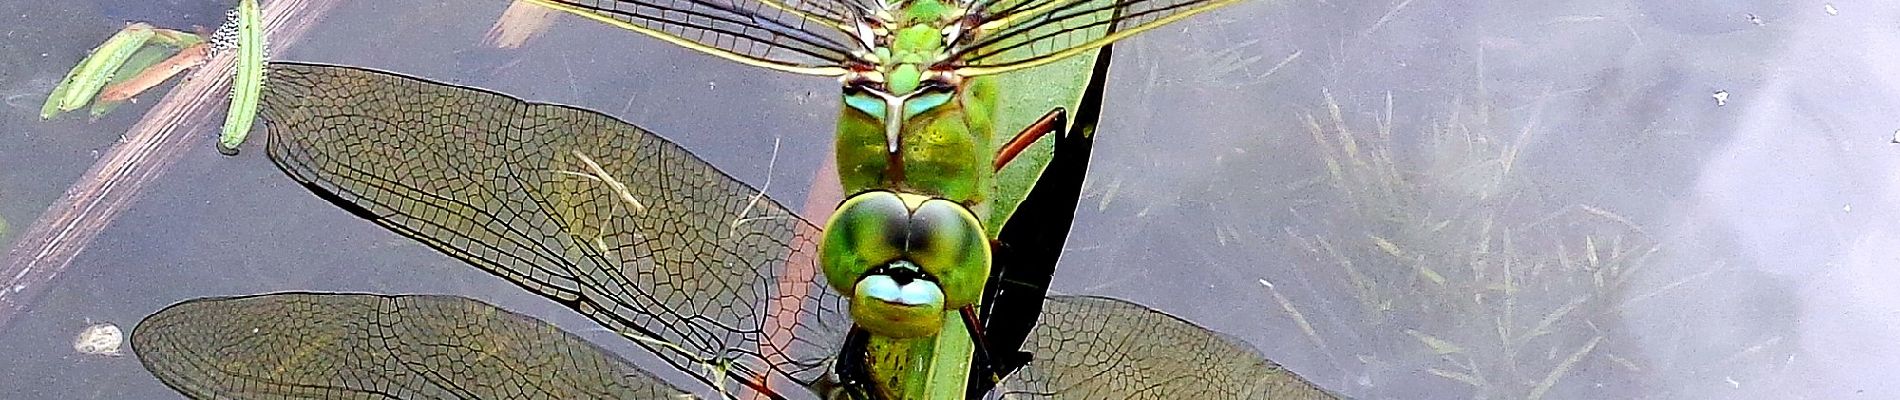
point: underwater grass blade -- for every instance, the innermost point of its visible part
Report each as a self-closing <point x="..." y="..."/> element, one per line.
<point x="91" y="74"/>
<point x="51" y="108"/>
<point x="144" y="78"/>
<point x="1563" y="368"/>
<point x="114" y="94"/>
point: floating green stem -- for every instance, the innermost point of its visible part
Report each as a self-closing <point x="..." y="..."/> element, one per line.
<point x="249" y="79"/>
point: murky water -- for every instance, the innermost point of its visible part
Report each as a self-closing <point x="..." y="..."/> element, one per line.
<point x="1597" y="225"/>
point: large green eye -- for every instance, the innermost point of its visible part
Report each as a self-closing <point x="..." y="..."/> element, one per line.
<point x="948" y="242"/>
<point x="904" y="259"/>
<point x="867" y="231"/>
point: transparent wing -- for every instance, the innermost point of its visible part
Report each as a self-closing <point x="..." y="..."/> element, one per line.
<point x="801" y="36"/>
<point x="599" y="215"/>
<point x="1103" y="348"/>
<point x="1026" y="33"/>
<point x="361" y="346"/>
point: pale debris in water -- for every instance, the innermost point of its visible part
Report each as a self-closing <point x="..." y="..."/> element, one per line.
<point x="100" y="339"/>
<point x="1721" y="98"/>
<point x="522" y="20"/>
<point x="1831" y="11"/>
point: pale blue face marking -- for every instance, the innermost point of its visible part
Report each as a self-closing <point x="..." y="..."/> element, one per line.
<point x="880" y="287"/>
<point x="924" y="102"/>
<point x="868" y="104"/>
<point x="918" y="292"/>
<point x="878" y="106"/>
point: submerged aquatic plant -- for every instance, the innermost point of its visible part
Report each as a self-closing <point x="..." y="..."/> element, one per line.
<point x="86" y="79"/>
<point x="141" y="56"/>
<point x="1456" y="265"/>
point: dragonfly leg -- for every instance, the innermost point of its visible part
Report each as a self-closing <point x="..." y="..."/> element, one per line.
<point x="991" y="368"/>
<point x="1056" y="119"/>
<point x="1026" y="252"/>
<point x="849" y="376"/>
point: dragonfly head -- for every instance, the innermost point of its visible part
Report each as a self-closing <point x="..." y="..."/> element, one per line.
<point x="904" y="259"/>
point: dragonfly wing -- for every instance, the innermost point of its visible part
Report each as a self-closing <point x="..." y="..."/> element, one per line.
<point x="1103" y="348"/>
<point x="363" y="346"/>
<point x="1027" y="33"/>
<point x="599" y="215"/>
<point x="801" y="36"/>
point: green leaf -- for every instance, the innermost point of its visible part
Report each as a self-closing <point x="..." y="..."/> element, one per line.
<point x="1024" y="97"/>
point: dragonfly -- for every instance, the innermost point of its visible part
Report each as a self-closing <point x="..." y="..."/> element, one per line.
<point x="920" y="84"/>
<point x="639" y="235"/>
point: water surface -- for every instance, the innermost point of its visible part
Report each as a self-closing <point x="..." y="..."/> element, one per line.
<point x="1769" y="276"/>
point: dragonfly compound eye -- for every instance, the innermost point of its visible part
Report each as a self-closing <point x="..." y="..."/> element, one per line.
<point x="947" y="241"/>
<point x="904" y="259"/>
<point x="865" y="232"/>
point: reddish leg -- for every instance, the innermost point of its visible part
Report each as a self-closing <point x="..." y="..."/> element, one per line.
<point x="1054" y="120"/>
<point x="982" y="343"/>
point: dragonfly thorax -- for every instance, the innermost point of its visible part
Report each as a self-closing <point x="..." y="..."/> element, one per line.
<point x="906" y="39"/>
<point x="910" y="121"/>
<point x="904" y="57"/>
<point x="933" y="140"/>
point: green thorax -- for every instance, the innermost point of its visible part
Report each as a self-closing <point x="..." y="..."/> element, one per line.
<point x="911" y="124"/>
<point x="943" y="152"/>
<point x="912" y="49"/>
